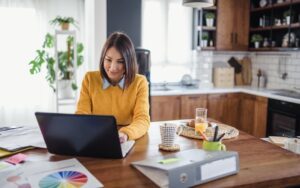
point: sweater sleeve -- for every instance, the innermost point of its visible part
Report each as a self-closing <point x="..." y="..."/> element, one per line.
<point x="141" y="117"/>
<point x="84" y="105"/>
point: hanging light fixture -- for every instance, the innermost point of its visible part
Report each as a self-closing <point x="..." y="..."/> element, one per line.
<point x="198" y="3"/>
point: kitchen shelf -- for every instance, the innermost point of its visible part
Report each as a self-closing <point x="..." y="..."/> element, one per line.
<point x="273" y="49"/>
<point x="201" y="28"/>
<point x="266" y="16"/>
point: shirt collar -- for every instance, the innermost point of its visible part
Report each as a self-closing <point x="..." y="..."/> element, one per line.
<point x="106" y="83"/>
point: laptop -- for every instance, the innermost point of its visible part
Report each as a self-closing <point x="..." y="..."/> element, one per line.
<point x="82" y="135"/>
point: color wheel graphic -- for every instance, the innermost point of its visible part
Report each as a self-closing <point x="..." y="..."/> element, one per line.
<point x="64" y="179"/>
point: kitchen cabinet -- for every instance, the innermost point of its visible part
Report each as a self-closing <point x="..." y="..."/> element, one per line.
<point x="233" y="25"/>
<point x="253" y="118"/>
<point x="232" y="109"/>
<point x="165" y="108"/>
<point x="225" y="108"/>
<point x="215" y="106"/>
<point x="269" y="20"/>
<point x="190" y="102"/>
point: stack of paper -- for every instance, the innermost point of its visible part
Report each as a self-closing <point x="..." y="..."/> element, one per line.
<point x="19" y="139"/>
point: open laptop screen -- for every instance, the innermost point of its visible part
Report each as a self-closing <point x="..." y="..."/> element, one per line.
<point x="80" y="135"/>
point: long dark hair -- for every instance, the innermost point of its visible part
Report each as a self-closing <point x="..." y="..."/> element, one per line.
<point x="125" y="47"/>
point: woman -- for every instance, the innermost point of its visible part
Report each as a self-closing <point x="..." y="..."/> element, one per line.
<point x="117" y="89"/>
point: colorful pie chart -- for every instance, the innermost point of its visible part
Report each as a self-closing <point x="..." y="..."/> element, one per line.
<point x="64" y="179"/>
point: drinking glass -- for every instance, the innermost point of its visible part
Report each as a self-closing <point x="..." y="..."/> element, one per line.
<point x="201" y="120"/>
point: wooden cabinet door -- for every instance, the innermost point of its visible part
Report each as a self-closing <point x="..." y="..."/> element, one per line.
<point x="241" y="22"/>
<point x="165" y="108"/>
<point x="233" y="24"/>
<point x="215" y="106"/>
<point x="189" y="103"/>
<point x="247" y="113"/>
<point x="232" y="109"/>
<point x="225" y="24"/>
<point x="260" y="117"/>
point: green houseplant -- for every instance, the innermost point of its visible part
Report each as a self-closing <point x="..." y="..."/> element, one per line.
<point x="256" y="39"/>
<point x="210" y="16"/>
<point x="204" y="39"/>
<point x="45" y="57"/>
<point x="288" y="15"/>
<point x="64" y="22"/>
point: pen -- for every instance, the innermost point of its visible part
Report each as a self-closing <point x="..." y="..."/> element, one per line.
<point x="216" y="133"/>
<point x="222" y="135"/>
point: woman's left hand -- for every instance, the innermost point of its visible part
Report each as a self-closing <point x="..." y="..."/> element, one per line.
<point x="123" y="137"/>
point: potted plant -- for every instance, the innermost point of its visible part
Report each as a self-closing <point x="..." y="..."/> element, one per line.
<point x="46" y="58"/>
<point x="210" y="16"/>
<point x="288" y="16"/>
<point x="64" y="22"/>
<point x="204" y="39"/>
<point x="256" y="39"/>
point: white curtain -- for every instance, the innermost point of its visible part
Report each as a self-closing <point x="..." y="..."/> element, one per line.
<point x="167" y="33"/>
<point x="24" y="24"/>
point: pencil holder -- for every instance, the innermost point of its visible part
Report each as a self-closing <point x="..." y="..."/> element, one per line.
<point x="213" y="146"/>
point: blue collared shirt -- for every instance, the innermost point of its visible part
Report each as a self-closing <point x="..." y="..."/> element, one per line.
<point x="106" y="83"/>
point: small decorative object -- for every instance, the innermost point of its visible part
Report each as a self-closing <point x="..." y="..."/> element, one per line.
<point x="263" y="3"/>
<point x="64" y="22"/>
<point x="204" y="39"/>
<point x="277" y="22"/>
<point x="256" y="39"/>
<point x="273" y="43"/>
<point x="210" y="16"/>
<point x="262" y="21"/>
<point x="284" y="21"/>
<point x="211" y="43"/>
<point x="285" y="40"/>
<point x="265" y="43"/>
<point x="297" y="43"/>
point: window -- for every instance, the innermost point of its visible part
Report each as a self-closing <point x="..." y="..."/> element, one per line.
<point x="167" y="33"/>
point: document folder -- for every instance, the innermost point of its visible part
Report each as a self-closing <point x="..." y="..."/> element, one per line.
<point x="189" y="168"/>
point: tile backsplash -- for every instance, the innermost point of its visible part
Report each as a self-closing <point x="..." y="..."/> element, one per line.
<point x="272" y="64"/>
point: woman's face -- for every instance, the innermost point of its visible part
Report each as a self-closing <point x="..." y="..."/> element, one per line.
<point x="114" y="65"/>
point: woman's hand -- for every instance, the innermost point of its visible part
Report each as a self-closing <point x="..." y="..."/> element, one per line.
<point x="123" y="137"/>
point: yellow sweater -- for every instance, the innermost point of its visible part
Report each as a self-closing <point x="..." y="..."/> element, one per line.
<point x="129" y="106"/>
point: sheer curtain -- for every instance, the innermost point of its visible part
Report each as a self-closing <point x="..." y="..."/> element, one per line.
<point x="167" y="32"/>
<point x="24" y="24"/>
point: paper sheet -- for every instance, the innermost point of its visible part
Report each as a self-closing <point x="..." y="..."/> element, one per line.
<point x="63" y="173"/>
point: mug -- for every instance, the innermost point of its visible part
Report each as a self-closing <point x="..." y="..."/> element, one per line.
<point x="213" y="146"/>
<point x="168" y="132"/>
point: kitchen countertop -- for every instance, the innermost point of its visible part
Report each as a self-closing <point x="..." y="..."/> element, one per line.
<point x="269" y="93"/>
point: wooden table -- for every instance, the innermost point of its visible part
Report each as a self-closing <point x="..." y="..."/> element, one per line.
<point x="261" y="164"/>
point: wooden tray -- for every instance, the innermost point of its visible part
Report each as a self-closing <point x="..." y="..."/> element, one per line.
<point x="230" y="132"/>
